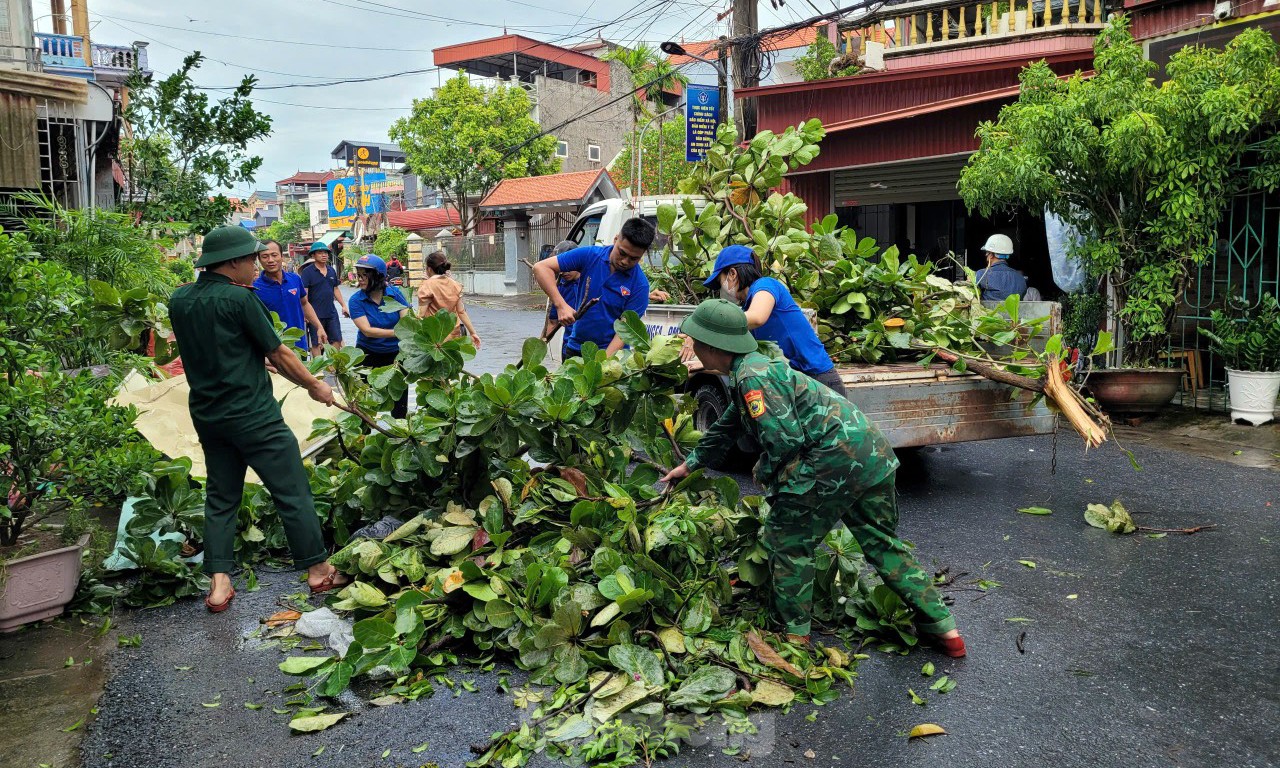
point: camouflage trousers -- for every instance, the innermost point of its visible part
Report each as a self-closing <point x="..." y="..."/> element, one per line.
<point x="795" y="528"/>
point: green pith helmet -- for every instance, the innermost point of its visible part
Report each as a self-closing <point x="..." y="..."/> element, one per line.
<point x="226" y="243"/>
<point x="720" y="324"/>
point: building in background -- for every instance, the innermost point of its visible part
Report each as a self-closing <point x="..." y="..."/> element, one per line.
<point x="298" y="187"/>
<point x="61" y="99"/>
<point x="578" y="98"/>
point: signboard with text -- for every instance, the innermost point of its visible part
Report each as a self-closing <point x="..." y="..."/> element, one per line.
<point x="349" y="198"/>
<point x="701" y="116"/>
<point x="364" y="157"/>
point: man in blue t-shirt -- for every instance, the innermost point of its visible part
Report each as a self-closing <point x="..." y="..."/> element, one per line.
<point x="610" y="273"/>
<point x="284" y="294"/>
<point x="570" y="290"/>
<point x="999" y="280"/>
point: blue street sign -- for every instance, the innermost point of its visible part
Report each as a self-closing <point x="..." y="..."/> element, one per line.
<point x="701" y="116"/>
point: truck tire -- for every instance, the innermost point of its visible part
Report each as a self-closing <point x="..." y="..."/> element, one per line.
<point x="712" y="401"/>
<point x="711" y="404"/>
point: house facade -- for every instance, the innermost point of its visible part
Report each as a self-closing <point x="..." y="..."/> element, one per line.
<point x="575" y="96"/>
<point x="61" y="101"/>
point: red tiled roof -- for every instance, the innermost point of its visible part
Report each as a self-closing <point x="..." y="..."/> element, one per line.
<point x="424" y="218"/>
<point x="309" y="177"/>
<point x="556" y="188"/>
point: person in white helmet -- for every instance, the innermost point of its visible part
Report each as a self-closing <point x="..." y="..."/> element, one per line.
<point x="998" y="280"/>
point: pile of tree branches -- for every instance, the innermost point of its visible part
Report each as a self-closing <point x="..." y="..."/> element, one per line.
<point x="535" y="534"/>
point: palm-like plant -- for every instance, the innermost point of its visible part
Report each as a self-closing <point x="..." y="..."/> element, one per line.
<point x="648" y="68"/>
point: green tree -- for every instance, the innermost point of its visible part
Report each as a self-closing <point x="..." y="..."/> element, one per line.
<point x="1144" y="170"/>
<point x="288" y="228"/>
<point x="664" y="160"/>
<point x="392" y="241"/>
<point x="467" y="138"/>
<point x="184" y="144"/>
<point x="815" y="64"/>
<point x="647" y="65"/>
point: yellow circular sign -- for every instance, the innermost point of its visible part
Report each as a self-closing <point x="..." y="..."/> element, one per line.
<point x="363" y="153"/>
<point x="339" y="198"/>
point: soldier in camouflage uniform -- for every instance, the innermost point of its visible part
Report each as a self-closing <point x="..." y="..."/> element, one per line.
<point x="822" y="463"/>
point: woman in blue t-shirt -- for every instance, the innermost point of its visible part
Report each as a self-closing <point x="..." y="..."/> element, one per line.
<point x="375" y="325"/>
<point x="772" y="315"/>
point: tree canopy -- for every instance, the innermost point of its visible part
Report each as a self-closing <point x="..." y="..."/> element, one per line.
<point x="1144" y="171"/>
<point x="663" y="168"/>
<point x="647" y="65"/>
<point x="467" y="138"/>
<point x="288" y="228"/>
<point x="184" y="144"/>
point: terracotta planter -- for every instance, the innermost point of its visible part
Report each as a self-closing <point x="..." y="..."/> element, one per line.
<point x="1134" y="390"/>
<point x="39" y="586"/>
<point x="1253" y="395"/>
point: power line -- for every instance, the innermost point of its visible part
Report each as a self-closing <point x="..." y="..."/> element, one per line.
<point x="329" y="106"/>
<point x="116" y="19"/>
<point x="420" y="16"/>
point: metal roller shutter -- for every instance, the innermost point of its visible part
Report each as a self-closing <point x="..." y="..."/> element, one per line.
<point x="908" y="181"/>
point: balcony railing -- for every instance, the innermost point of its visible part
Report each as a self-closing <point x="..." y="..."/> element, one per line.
<point x="930" y="24"/>
<point x="65" y="51"/>
<point x="119" y="58"/>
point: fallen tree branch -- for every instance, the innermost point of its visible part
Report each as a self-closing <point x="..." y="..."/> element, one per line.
<point x="1187" y="531"/>
<point x="1089" y="422"/>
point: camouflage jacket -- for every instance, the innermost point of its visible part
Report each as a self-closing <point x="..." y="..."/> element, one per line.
<point x="811" y="438"/>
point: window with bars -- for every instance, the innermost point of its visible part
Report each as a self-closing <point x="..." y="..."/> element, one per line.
<point x="61" y="151"/>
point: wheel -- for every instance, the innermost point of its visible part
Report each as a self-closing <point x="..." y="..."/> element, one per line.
<point x="712" y="402"/>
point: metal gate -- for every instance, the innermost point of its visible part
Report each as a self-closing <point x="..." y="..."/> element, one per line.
<point x="1246" y="264"/>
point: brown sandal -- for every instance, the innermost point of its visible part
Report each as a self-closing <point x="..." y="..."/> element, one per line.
<point x="219" y="607"/>
<point x="329" y="583"/>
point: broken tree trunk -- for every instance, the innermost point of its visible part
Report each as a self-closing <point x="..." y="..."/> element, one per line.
<point x="1089" y="422"/>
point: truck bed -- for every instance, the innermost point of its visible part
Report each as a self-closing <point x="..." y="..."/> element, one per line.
<point x="915" y="406"/>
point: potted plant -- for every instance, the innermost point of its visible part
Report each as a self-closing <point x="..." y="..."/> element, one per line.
<point x="1248" y="341"/>
<point x="59" y="437"/>
<point x="1143" y="171"/>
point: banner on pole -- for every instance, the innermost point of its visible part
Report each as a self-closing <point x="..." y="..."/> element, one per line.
<point x="701" y="116"/>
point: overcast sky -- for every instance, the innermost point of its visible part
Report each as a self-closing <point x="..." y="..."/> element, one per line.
<point x="362" y="38"/>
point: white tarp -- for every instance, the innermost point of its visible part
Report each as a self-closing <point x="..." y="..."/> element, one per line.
<point x="164" y="419"/>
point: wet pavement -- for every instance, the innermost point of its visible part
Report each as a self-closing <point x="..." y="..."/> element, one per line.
<point x="1137" y="651"/>
<point x="1163" y="657"/>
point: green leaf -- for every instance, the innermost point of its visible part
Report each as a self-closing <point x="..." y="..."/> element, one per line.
<point x="374" y="633"/>
<point x="313" y="723"/>
<point x="928" y="669"/>
<point x="533" y="352"/>
<point x="637" y="660"/>
<point x="1028" y="563"/>
<point x="915" y="698"/>
<point x="1115" y="518"/>
<point x="500" y="613"/>
<point x="1036" y="511"/>
<point x="632" y="331"/>
<point x="302" y="665"/>
<point x="706" y="685"/>
<point x="452" y="540"/>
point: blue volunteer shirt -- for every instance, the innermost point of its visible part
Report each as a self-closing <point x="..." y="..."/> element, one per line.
<point x="320" y="285"/>
<point x="572" y="293"/>
<point x="379" y="316"/>
<point x="617" y="291"/>
<point x="998" y="282"/>
<point x="788" y="328"/>
<point x="285" y="299"/>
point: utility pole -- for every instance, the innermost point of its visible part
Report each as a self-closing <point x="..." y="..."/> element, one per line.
<point x="722" y="53"/>
<point x="746" y="61"/>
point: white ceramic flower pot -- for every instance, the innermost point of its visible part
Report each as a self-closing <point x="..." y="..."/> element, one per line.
<point x="1253" y="395"/>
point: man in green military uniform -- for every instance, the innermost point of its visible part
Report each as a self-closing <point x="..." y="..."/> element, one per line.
<point x="822" y="462"/>
<point x="226" y="337"/>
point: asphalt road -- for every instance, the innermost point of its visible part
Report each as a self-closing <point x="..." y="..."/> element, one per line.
<point x="1165" y="656"/>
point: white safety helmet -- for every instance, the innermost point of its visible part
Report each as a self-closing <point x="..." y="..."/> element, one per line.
<point x="1000" y="245"/>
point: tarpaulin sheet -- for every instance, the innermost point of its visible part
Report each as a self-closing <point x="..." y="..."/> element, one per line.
<point x="164" y="419"/>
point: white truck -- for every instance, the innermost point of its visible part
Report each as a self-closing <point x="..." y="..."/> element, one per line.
<point x="913" y="405"/>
